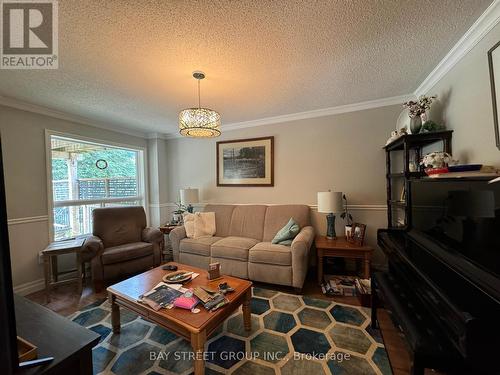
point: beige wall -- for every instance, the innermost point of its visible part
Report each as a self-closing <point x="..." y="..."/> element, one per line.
<point x="23" y="149"/>
<point x="339" y="152"/>
<point x="465" y="105"/>
<point x="157" y="157"/>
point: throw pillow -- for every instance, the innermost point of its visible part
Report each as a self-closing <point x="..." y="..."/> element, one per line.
<point x="204" y="224"/>
<point x="189" y="225"/>
<point x="288" y="232"/>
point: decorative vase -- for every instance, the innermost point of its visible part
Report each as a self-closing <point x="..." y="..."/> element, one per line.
<point x="415" y="124"/>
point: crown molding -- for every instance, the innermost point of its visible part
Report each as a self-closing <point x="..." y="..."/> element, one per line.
<point x="158" y="136"/>
<point x="361" y="106"/>
<point x="476" y="32"/>
<point x="34" y="108"/>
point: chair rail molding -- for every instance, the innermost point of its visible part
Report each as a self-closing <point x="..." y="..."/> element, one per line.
<point x="355" y="207"/>
<point x="27" y="220"/>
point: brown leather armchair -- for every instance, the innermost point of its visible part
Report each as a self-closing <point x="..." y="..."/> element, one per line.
<point x="121" y="245"/>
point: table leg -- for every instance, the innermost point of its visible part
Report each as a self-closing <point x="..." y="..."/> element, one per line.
<point x="55" y="271"/>
<point x="46" y="267"/>
<point x="367" y="267"/>
<point x="247" y="313"/>
<point x="115" y="313"/>
<point x="198" y="343"/>
<point x="320" y="267"/>
<point x="79" y="271"/>
<point x="86" y="362"/>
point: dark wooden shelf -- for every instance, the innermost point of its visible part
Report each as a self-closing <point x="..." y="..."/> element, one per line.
<point x="418" y="140"/>
<point x="456" y="179"/>
<point x="406" y="175"/>
<point x="408" y="144"/>
<point x="397" y="203"/>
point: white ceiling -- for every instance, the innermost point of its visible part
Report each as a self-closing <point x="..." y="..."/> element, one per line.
<point x="129" y="63"/>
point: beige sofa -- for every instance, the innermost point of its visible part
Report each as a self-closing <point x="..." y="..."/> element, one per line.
<point x="242" y="243"/>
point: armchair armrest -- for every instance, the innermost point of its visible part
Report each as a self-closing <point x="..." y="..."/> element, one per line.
<point x="300" y="255"/>
<point x="152" y="235"/>
<point x="176" y="236"/>
<point x="155" y="237"/>
<point x="91" y="248"/>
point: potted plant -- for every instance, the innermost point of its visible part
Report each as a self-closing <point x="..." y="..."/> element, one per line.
<point x="346" y="215"/>
<point x="177" y="214"/>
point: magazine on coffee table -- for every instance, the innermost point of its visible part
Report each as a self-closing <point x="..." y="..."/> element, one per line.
<point x="162" y="295"/>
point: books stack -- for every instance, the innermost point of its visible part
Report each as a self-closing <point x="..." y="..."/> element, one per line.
<point x="339" y="285"/>
<point x="363" y="286"/>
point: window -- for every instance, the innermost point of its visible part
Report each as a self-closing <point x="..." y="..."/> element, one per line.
<point x="87" y="175"/>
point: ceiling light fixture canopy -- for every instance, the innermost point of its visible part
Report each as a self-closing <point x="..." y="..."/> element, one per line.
<point x="199" y="122"/>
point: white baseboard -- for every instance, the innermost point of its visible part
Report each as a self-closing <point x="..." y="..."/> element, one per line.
<point x="30" y="287"/>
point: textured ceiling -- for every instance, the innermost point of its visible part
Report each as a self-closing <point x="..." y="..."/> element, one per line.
<point x="130" y="62"/>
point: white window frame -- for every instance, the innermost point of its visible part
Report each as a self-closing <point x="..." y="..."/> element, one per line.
<point x="142" y="175"/>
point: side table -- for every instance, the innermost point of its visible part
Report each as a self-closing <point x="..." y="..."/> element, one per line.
<point x="49" y="255"/>
<point x="339" y="247"/>
<point x="167" y="254"/>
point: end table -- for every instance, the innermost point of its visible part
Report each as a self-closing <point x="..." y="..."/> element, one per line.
<point x="49" y="255"/>
<point x="339" y="247"/>
<point x="167" y="246"/>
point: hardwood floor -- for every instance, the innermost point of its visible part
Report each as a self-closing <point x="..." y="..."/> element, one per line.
<point x="65" y="301"/>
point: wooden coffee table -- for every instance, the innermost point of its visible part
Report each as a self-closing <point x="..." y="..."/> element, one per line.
<point x="193" y="327"/>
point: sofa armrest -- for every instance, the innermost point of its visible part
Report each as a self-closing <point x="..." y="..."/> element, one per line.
<point x="152" y="235"/>
<point x="91" y="248"/>
<point x="176" y="236"/>
<point x="300" y="255"/>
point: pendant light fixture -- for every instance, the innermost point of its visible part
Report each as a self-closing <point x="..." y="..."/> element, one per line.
<point x="199" y="122"/>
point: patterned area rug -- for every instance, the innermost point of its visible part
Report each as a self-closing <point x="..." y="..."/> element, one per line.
<point x="290" y="335"/>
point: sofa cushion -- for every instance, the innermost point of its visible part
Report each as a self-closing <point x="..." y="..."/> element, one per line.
<point x="223" y="214"/>
<point x="199" y="246"/>
<point x="277" y="216"/>
<point x="233" y="248"/>
<point x="268" y="253"/>
<point x="287" y="233"/>
<point x="248" y="221"/>
<point x="122" y="253"/>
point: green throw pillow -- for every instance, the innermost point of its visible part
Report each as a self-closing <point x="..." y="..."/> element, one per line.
<point x="287" y="233"/>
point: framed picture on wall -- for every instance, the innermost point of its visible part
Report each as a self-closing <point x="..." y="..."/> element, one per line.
<point x="246" y="162"/>
<point x="494" y="64"/>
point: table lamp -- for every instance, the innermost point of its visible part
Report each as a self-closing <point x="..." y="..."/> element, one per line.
<point x="330" y="202"/>
<point x="188" y="197"/>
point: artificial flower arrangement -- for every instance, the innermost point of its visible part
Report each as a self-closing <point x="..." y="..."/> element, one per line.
<point x="436" y="162"/>
<point x="420" y="106"/>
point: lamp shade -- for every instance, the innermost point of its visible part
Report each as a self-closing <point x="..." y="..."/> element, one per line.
<point x="189" y="196"/>
<point x="330" y="202"/>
